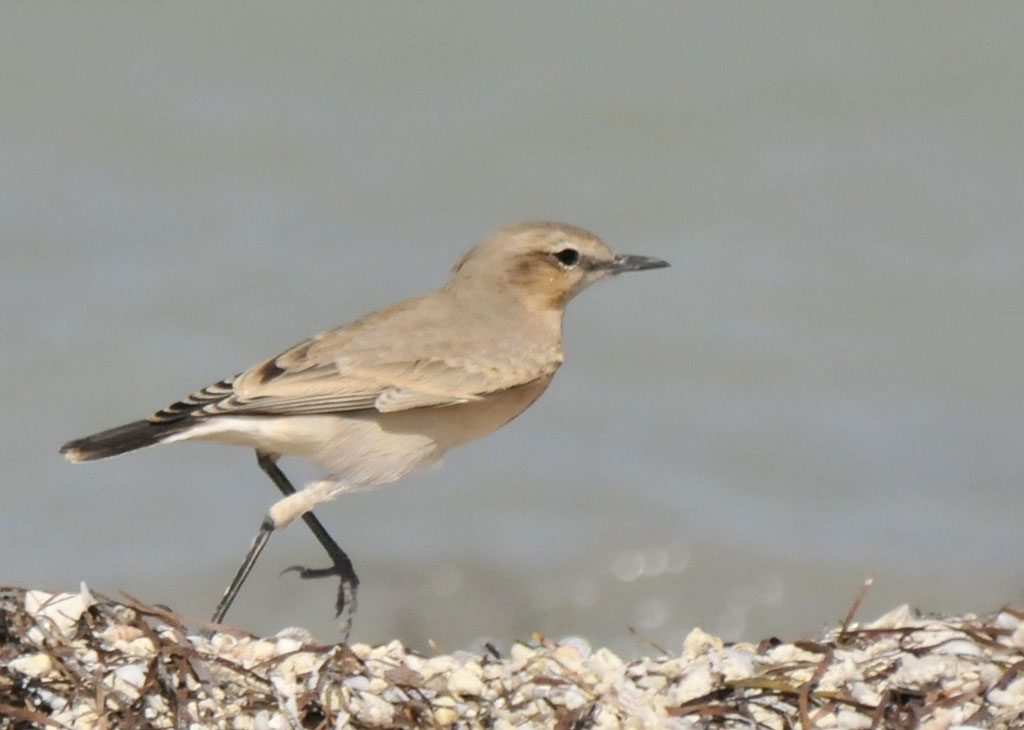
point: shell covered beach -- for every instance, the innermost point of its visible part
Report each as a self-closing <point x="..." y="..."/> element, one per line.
<point x="82" y="660"/>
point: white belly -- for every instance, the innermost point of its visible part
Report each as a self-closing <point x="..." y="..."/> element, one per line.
<point x="365" y="449"/>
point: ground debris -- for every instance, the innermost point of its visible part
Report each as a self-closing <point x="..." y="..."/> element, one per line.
<point x="80" y="660"/>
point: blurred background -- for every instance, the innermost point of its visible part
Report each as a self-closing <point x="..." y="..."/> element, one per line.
<point x="826" y="384"/>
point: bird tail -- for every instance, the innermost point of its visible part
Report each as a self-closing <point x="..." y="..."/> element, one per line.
<point x="128" y="437"/>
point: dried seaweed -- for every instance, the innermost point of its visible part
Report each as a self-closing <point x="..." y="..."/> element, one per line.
<point x="87" y="661"/>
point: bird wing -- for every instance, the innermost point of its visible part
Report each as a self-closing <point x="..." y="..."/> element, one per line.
<point x="407" y="356"/>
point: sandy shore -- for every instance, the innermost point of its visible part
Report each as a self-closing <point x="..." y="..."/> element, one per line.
<point x="80" y="660"/>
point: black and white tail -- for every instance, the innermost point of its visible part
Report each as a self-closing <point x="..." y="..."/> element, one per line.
<point x="156" y="429"/>
<point x="128" y="437"/>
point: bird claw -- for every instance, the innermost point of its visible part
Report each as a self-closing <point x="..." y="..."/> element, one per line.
<point x="345" y="603"/>
<point x="310" y="573"/>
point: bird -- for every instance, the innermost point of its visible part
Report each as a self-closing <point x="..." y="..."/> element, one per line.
<point x="388" y="394"/>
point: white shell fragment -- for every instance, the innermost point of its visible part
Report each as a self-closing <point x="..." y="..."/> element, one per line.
<point x="87" y="662"/>
<point x="57" y="612"/>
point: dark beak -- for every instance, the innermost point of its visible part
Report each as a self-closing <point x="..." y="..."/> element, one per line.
<point x="626" y="262"/>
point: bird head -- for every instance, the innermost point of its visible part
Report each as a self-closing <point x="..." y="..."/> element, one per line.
<point x="544" y="264"/>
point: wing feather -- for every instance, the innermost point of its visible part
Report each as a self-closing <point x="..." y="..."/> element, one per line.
<point x="407" y="356"/>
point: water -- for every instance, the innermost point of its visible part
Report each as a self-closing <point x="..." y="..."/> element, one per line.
<point x="826" y="384"/>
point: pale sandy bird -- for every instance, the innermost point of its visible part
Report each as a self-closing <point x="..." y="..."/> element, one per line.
<point x="390" y="393"/>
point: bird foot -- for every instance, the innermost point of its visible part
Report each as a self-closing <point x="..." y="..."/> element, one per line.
<point x="345" y="603"/>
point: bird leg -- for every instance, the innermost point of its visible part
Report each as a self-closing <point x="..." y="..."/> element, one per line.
<point x="345" y="603"/>
<point x="244" y="569"/>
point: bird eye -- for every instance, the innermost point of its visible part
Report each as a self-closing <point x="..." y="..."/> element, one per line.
<point x="568" y="257"/>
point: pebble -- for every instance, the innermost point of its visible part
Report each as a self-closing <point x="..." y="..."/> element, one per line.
<point x="32" y="665"/>
<point x="698" y="642"/>
<point x="445" y="716"/>
<point x="952" y="670"/>
<point x="464" y="681"/>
